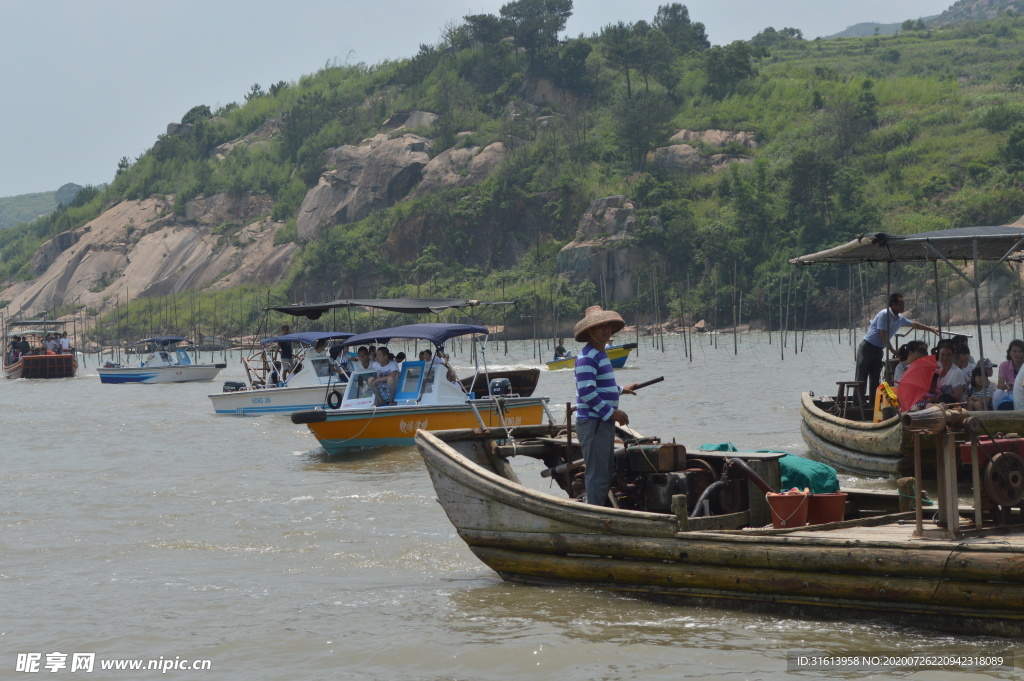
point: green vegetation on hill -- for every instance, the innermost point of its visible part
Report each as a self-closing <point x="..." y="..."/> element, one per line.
<point x="27" y="207"/>
<point x="909" y="132"/>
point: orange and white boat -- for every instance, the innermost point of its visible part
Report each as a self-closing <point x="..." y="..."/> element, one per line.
<point x="427" y="396"/>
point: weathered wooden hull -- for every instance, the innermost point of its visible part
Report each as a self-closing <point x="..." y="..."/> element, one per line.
<point x="866" y="568"/>
<point x="880" y="449"/>
<point x="43" y="366"/>
<point x="522" y="381"/>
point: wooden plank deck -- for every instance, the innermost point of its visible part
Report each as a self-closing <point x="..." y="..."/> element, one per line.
<point x="1008" y="539"/>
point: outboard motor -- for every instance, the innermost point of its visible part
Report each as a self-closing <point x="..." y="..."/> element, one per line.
<point x="233" y="386"/>
<point x="500" y="386"/>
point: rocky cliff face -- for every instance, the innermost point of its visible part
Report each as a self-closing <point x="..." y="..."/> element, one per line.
<point x="976" y="10"/>
<point x="460" y="168"/>
<point x="683" y="156"/>
<point x="362" y="179"/>
<point x="603" y="250"/>
<point x="139" y="248"/>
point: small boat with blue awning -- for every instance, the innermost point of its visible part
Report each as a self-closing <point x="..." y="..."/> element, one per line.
<point x="165" y="361"/>
<point x="428" y="396"/>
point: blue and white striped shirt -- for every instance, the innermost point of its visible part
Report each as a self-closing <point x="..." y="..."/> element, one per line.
<point x="597" y="393"/>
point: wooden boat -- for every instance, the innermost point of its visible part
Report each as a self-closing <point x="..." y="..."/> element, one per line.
<point x="522" y="382"/>
<point x="867" y="566"/>
<point x="31" y="359"/>
<point x="427" y="396"/>
<point x="163" y="362"/>
<point x="882" y="449"/>
<point x="310" y="385"/>
<point x="617" y="354"/>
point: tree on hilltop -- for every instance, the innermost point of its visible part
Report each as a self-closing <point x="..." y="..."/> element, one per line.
<point x="196" y="114"/>
<point x="684" y="35"/>
<point x="535" y="24"/>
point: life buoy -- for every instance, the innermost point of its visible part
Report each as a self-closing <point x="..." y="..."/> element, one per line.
<point x="334" y="399"/>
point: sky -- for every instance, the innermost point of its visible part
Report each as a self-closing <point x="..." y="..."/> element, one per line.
<point x="85" y="83"/>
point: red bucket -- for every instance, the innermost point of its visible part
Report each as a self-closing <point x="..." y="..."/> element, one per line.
<point x="827" y="508"/>
<point x="788" y="510"/>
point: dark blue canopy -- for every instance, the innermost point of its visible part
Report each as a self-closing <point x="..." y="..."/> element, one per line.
<point x="306" y="337"/>
<point x="435" y="333"/>
<point x="163" y="340"/>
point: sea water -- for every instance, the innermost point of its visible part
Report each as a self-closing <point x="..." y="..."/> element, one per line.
<point x="136" y="525"/>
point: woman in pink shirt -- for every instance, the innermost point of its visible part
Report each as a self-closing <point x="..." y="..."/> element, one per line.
<point x="1008" y="372"/>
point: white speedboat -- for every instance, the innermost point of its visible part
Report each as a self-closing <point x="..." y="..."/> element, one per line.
<point x="166" y="362"/>
<point x="313" y="382"/>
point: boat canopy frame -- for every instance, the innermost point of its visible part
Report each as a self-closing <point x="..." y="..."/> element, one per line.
<point x="435" y="332"/>
<point x="163" y="341"/>
<point x="314" y="311"/>
<point x="307" y="337"/>
<point x="999" y="243"/>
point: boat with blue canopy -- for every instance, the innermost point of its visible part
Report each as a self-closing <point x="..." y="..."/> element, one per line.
<point x="163" y="361"/>
<point x="427" y="395"/>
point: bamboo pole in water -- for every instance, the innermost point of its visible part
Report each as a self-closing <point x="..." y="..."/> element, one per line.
<point x="789" y="306"/>
<point x="807" y="304"/>
<point x="782" y="332"/>
<point x="735" y="341"/>
<point x="714" y="327"/>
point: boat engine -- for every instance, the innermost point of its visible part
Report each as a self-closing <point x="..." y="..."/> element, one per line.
<point x="500" y="386"/>
<point x="233" y="386"/>
<point x="646" y="477"/>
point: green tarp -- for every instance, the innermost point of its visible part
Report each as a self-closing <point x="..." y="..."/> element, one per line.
<point x="795" y="471"/>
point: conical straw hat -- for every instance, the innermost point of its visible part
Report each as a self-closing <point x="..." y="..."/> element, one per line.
<point x="595" y="316"/>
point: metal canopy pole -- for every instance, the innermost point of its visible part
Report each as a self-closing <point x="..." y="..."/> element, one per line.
<point x="888" y="315"/>
<point x="977" y="322"/>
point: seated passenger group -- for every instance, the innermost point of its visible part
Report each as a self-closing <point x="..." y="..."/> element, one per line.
<point x="957" y="380"/>
<point x="52" y="343"/>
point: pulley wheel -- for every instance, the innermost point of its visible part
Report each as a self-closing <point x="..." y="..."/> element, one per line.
<point x="703" y="465"/>
<point x="1004" y="479"/>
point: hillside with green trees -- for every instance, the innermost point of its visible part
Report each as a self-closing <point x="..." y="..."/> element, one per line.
<point x="28" y="207"/>
<point x="915" y="131"/>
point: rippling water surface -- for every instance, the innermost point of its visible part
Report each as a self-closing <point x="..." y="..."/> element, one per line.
<point x="136" y="524"/>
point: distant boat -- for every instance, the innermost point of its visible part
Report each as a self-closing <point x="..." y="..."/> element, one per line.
<point x="618" y="354"/>
<point x="165" y="362"/>
<point x="31" y="359"/>
<point x="209" y="343"/>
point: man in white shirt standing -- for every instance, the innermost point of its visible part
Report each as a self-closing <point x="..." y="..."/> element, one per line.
<point x="871" y="352"/>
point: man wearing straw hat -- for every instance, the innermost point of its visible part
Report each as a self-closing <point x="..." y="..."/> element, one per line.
<point x="597" y="400"/>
